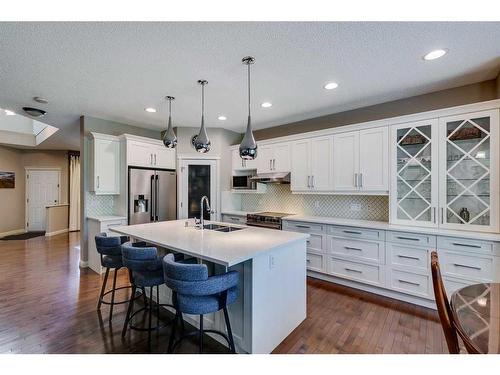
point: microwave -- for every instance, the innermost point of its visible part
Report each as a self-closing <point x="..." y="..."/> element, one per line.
<point x="243" y="182"/>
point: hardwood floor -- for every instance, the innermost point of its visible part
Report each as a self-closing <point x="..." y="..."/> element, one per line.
<point x="48" y="305"/>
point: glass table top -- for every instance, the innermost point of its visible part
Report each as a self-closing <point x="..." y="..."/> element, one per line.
<point x="477" y="312"/>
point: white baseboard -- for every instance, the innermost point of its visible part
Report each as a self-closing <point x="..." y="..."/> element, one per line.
<point x="49" y="234"/>
<point x="84" y="264"/>
<point x="13" y="232"/>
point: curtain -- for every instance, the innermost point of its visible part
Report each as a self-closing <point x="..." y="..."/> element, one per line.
<point x="74" y="193"/>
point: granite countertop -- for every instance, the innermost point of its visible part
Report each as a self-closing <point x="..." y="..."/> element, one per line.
<point x="223" y="248"/>
<point x="382" y="225"/>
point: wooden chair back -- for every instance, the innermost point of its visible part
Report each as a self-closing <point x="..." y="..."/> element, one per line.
<point x="443" y="306"/>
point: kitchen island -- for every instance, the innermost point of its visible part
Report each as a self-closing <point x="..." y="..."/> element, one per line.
<point x="272" y="268"/>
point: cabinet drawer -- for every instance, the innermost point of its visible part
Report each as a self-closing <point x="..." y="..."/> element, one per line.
<point x="411" y="283"/>
<point x="406" y="256"/>
<point x="106" y="225"/>
<point x="411" y="239"/>
<point x="472" y="267"/>
<point x="315" y="262"/>
<point x="370" y="274"/>
<point x="369" y="251"/>
<point x="462" y="244"/>
<point x="234" y="219"/>
<point x="296" y="226"/>
<point x="367" y="234"/>
<point x="451" y="285"/>
<point x="315" y="242"/>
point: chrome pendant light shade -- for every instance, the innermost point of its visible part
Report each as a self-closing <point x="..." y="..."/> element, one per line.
<point x="201" y="142"/>
<point x="169" y="138"/>
<point x="248" y="146"/>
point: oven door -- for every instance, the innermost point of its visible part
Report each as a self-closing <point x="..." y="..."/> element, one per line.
<point x="264" y="225"/>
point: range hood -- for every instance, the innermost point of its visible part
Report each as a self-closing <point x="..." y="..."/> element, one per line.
<point x="272" y="178"/>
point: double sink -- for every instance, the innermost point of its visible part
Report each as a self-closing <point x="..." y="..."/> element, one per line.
<point x="221" y="228"/>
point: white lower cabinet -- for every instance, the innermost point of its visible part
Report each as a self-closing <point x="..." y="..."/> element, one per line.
<point x="396" y="263"/>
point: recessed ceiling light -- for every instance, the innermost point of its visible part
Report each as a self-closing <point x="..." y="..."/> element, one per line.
<point x="9" y="112"/>
<point x="34" y="112"/>
<point x="436" y="54"/>
<point x="150" y="110"/>
<point x="266" y="105"/>
<point x="222" y="118"/>
<point x="331" y="85"/>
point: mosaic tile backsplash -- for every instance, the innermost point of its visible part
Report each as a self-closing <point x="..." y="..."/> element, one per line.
<point x="100" y="205"/>
<point x="279" y="198"/>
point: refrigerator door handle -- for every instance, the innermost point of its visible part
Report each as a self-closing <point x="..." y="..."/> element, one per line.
<point x="153" y="198"/>
<point x="157" y="199"/>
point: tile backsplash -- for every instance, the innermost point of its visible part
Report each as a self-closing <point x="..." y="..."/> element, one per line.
<point x="279" y="198"/>
<point x="100" y="205"/>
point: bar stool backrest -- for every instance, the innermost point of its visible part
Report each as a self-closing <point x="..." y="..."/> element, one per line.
<point x="109" y="245"/>
<point x="140" y="259"/>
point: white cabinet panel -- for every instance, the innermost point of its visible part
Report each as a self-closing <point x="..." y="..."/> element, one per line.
<point x="374" y="160"/>
<point x="345" y="161"/>
<point x="265" y="159"/>
<point x="370" y="274"/>
<point x="315" y="262"/>
<point x="281" y="158"/>
<point x="164" y="157"/>
<point x="410" y="283"/>
<point x="321" y="164"/>
<point x="300" y="176"/>
<point x="239" y="164"/>
<point x="139" y="154"/>
<point x="369" y="251"/>
<point x="105" y="164"/>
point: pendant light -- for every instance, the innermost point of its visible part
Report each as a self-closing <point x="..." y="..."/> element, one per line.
<point x="170" y="139"/>
<point x="201" y="142"/>
<point x="248" y="146"/>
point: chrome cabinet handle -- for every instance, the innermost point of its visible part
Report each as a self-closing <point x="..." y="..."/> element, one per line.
<point x="434" y="215"/>
<point x="351" y="232"/>
<point x="308" y="260"/>
<point x="407" y="238"/>
<point x="274" y="164"/>
<point x="361" y="180"/>
<point x="353" y="248"/>
<point x="466" y="266"/>
<point x="98" y="182"/>
<point x="466" y="245"/>
<point x="355" y="180"/>
<point x="155" y="159"/>
<point x="408" y="282"/>
<point x="270" y="165"/>
<point x="309" y="182"/>
<point x="312" y="181"/>
<point x="308" y="242"/>
<point x="151" y="159"/>
<point x="407" y="257"/>
<point x="302" y="226"/>
<point x="353" y="270"/>
<point x="442" y="216"/>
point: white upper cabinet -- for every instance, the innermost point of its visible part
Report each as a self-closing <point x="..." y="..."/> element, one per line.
<point x="105" y="164"/>
<point x="374" y="159"/>
<point x="273" y="158"/>
<point x="239" y="164"/>
<point x="414" y="165"/>
<point x="312" y="164"/>
<point x="149" y="153"/>
<point x="345" y="161"/>
<point x="360" y="161"/>
<point x="445" y="172"/>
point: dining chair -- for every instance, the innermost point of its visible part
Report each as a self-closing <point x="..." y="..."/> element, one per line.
<point x="443" y="306"/>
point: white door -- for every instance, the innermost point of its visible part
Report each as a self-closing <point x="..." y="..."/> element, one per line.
<point x="414" y="168"/>
<point x="264" y="159"/>
<point x="198" y="177"/>
<point x="374" y="160"/>
<point x="468" y="170"/>
<point x="345" y="161"/>
<point x="322" y="164"/>
<point x="300" y="176"/>
<point x="42" y="188"/>
<point x="281" y="158"/>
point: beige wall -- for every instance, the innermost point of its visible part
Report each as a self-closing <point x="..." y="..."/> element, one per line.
<point x="477" y="92"/>
<point x="12" y="215"/>
<point x="12" y="200"/>
<point x="57" y="219"/>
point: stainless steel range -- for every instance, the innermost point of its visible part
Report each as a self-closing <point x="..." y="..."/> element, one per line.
<point x="271" y="220"/>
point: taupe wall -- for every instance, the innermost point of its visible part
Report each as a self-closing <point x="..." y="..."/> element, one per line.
<point x="57" y="219"/>
<point x="477" y="92"/>
<point x="12" y="214"/>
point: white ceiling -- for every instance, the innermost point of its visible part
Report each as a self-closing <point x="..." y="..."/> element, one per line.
<point x="115" y="70"/>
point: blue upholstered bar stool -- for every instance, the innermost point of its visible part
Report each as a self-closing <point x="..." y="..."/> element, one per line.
<point x="146" y="272"/>
<point x="109" y="248"/>
<point x="194" y="292"/>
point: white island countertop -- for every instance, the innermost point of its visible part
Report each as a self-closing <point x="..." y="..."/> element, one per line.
<point x="225" y="248"/>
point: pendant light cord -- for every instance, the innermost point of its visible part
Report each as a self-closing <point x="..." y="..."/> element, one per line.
<point x="248" y="90"/>
<point x="202" y="100"/>
<point x="170" y="107"/>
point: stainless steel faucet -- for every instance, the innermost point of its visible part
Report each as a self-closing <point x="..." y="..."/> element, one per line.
<point x="204" y="199"/>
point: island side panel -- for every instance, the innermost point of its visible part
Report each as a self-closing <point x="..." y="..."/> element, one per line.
<point x="278" y="295"/>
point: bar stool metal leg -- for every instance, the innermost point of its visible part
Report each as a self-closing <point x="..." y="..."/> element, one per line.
<point x="229" y="331"/>
<point x="201" y="334"/>
<point x="103" y="288"/>
<point x="150" y="315"/>
<point x="113" y="295"/>
<point x="129" y="310"/>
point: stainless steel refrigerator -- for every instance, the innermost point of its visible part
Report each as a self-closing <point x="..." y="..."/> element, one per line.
<point x="152" y="195"/>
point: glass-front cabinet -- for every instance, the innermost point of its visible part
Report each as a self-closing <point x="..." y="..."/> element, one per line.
<point x="469" y="171"/>
<point x="445" y="172"/>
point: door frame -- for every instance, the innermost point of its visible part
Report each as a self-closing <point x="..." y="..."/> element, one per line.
<point x="182" y="161"/>
<point x="27" y="170"/>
